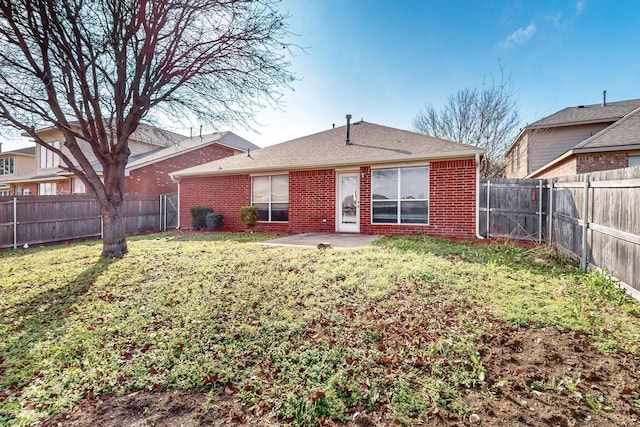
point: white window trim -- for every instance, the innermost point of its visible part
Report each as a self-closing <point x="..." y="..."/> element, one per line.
<point x="51" y="159"/>
<point x="75" y="180"/>
<point x="399" y="200"/>
<point x="12" y="161"/>
<point x="270" y="202"/>
<point x="52" y="187"/>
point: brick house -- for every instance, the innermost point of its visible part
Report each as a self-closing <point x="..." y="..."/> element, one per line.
<point x="576" y="140"/>
<point x="359" y="178"/>
<point x="14" y="165"/>
<point x="154" y="153"/>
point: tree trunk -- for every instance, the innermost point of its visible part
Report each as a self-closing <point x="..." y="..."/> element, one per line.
<point x="114" y="242"/>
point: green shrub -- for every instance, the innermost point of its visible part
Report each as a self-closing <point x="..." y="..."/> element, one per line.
<point x="214" y="220"/>
<point x="199" y="216"/>
<point x="249" y="215"/>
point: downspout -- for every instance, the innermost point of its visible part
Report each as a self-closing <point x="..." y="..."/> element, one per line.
<point x="478" y="236"/>
<point x="178" y="223"/>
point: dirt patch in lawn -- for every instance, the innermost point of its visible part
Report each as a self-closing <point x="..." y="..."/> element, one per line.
<point x="534" y="377"/>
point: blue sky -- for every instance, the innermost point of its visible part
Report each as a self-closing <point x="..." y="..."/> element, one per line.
<point x="385" y="60"/>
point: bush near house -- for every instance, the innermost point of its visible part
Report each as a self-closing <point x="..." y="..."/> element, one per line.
<point x="249" y="215"/>
<point x="214" y="220"/>
<point x="199" y="216"/>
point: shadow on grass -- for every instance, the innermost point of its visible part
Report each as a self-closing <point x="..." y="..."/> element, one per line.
<point x="39" y="318"/>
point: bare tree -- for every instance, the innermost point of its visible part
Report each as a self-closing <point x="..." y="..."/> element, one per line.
<point x="94" y="69"/>
<point x="487" y="118"/>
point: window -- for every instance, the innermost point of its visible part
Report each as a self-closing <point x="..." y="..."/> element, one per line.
<point x="47" y="189"/>
<point x="634" y="161"/>
<point x="26" y="192"/>
<point x="78" y="186"/>
<point x="49" y="159"/>
<point x="518" y="156"/>
<point x="400" y="195"/>
<point x="271" y="195"/>
<point x="7" y="165"/>
<point x="5" y="193"/>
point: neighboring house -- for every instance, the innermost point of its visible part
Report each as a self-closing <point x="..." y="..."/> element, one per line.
<point x="15" y="165"/>
<point x="359" y="178"/>
<point x="581" y="139"/>
<point x="154" y="153"/>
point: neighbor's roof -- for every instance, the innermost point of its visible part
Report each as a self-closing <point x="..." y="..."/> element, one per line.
<point x="144" y="133"/>
<point x="29" y="151"/>
<point x="370" y="144"/>
<point x="595" y="113"/>
<point x="625" y="133"/>
<point x="622" y="135"/>
<point x="225" y="139"/>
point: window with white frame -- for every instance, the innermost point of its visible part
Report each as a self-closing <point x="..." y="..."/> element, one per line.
<point x="49" y="159"/>
<point x="47" y="189"/>
<point x="5" y="193"/>
<point x="78" y="186"/>
<point x="271" y="196"/>
<point x="400" y="195"/>
<point x="26" y="192"/>
<point x="634" y="161"/>
<point x="7" y="165"/>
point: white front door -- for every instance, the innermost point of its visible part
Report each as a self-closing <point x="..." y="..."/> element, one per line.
<point x="348" y="203"/>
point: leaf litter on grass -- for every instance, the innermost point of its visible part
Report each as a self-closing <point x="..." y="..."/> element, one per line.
<point x="399" y="329"/>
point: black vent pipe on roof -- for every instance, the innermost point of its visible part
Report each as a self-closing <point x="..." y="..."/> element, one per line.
<point x="604" y="98"/>
<point x="348" y="140"/>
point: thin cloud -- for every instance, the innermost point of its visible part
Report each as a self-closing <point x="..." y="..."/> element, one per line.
<point x="519" y="36"/>
<point x="554" y="19"/>
<point x="579" y="5"/>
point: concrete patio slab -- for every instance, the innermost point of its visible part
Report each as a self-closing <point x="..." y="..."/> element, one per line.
<point x="335" y="240"/>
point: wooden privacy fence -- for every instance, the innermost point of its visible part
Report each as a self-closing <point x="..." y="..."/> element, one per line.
<point x="592" y="217"/>
<point x="46" y="219"/>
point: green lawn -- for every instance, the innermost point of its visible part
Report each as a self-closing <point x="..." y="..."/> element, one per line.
<point x="308" y="333"/>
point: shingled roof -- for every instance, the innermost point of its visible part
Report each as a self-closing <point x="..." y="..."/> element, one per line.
<point x="625" y="133"/>
<point x="29" y="151"/>
<point x="370" y="144"/>
<point x="226" y="139"/>
<point x="595" y="113"/>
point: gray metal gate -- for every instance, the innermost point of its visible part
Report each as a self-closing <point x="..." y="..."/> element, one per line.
<point x="168" y="211"/>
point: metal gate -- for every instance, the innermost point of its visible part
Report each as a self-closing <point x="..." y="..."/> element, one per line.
<point x="168" y="211"/>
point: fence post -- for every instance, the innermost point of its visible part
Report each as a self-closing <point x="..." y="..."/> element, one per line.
<point x="585" y="224"/>
<point x="550" y="228"/>
<point x="540" y="212"/>
<point x="488" y="210"/>
<point x="15" y="223"/>
<point x="160" y="219"/>
<point x="165" y="212"/>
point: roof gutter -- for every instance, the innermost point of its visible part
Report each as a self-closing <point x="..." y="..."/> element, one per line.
<point x="246" y="170"/>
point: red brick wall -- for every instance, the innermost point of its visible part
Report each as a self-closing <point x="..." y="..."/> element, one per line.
<point x="224" y="194"/>
<point x="31" y="186"/>
<point x="154" y="178"/>
<point x="594" y="162"/>
<point x="63" y="188"/>
<point x="452" y="204"/>
<point x="312" y="200"/>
